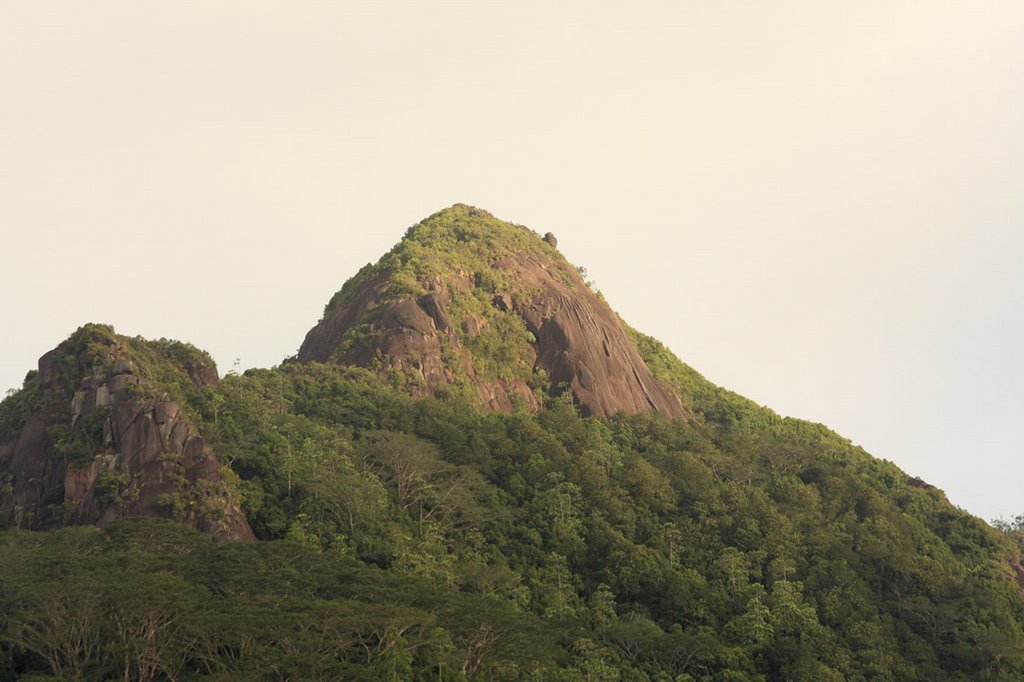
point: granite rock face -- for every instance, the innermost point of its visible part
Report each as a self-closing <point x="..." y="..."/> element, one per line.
<point x="578" y="342"/>
<point x="106" y="443"/>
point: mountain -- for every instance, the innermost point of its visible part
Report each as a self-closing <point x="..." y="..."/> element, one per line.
<point x="471" y="470"/>
<point x="102" y="431"/>
<point x="466" y="301"/>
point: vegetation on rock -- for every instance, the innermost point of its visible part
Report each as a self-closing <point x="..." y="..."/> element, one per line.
<point x="457" y="251"/>
<point x="422" y="538"/>
<point x="107" y="428"/>
<point x="467" y="304"/>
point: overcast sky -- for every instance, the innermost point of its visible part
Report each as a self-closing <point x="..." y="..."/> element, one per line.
<point x="817" y="204"/>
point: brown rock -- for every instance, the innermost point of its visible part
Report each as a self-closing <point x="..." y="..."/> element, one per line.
<point x="32" y="469"/>
<point x="472" y="326"/>
<point x="48" y="368"/>
<point x="1017" y="564"/>
<point x="436" y="305"/>
<point x="121" y="367"/>
<point x="580" y="341"/>
<point x="121" y="382"/>
<point x="151" y="447"/>
<point x="502" y="302"/>
<point x="166" y="411"/>
<point x="203" y="375"/>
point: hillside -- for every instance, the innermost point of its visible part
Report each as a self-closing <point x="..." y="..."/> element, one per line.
<point x="440" y="499"/>
<point x="105" y="429"/>
<point x="470" y="304"/>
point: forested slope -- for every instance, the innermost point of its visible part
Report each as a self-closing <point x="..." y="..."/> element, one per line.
<point x="424" y="538"/>
<point x="434" y="538"/>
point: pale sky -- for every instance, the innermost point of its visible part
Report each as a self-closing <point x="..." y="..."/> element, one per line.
<point x="818" y="204"/>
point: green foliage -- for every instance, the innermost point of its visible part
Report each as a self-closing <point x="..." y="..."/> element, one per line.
<point x="463" y="241"/>
<point x="79" y="446"/>
<point x="110" y="488"/>
<point x="90" y="346"/>
<point x="421" y="539"/>
<point x="18" y="406"/>
<point x="172" y="368"/>
<point x="739" y="545"/>
<point x="461" y="249"/>
<point x="169" y="367"/>
<point x="129" y="607"/>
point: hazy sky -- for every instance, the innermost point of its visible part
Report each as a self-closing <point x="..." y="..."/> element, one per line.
<point x="817" y="204"/>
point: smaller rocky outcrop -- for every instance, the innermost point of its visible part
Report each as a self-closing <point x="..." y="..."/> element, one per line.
<point x="107" y="440"/>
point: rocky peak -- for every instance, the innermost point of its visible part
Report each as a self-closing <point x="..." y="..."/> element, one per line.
<point x="106" y="434"/>
<point x="469" y="303"/>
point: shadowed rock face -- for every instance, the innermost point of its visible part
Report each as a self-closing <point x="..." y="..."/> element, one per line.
<point x="580" y="343"/>
<point x="144" y="457"/>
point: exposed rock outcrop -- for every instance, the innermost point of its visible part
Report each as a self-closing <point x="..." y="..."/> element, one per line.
<point x="108" y="442"/>
<point x="1017" y="564"/>
<point x="432" y="336"/>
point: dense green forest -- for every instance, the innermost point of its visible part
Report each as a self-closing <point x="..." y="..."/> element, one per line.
<point x="426" y="539"/>
<point x="432" y="538"/>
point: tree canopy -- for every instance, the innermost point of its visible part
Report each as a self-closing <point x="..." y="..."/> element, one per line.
<point x="411" y="539"/>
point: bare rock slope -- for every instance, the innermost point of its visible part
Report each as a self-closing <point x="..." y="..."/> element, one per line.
<point x="470" y="303"/>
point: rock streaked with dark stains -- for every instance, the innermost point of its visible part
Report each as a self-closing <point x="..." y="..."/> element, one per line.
<point x="30" y="467"/>
<point x="580" y="342"/>
<point x="150" y="452"/>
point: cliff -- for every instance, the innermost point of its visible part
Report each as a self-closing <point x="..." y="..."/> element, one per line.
<point x="468" y="302"/>
<point x="101" y="432"/>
